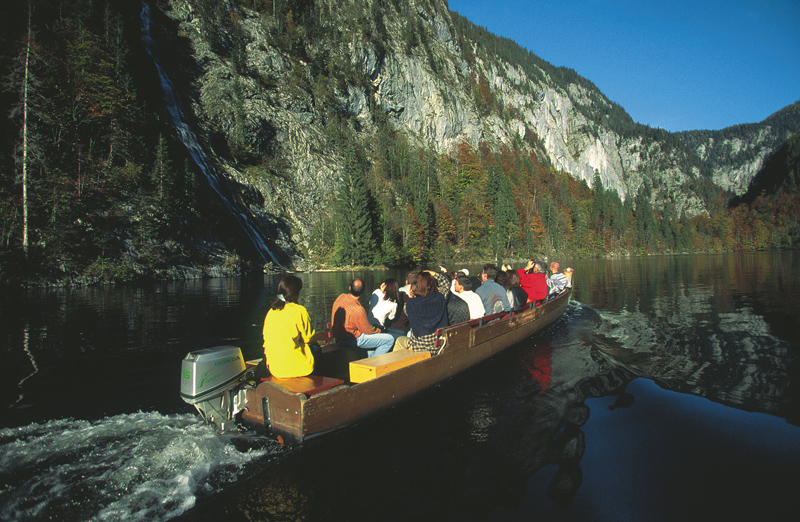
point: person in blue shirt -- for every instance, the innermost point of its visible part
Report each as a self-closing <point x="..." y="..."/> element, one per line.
<point x="492" y="294"/>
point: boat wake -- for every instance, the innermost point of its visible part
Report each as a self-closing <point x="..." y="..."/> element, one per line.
<point x="141" y="466"/>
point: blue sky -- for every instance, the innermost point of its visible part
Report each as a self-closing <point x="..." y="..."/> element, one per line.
<point x="678" y="65"/>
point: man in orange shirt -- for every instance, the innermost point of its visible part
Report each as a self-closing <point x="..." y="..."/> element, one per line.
<point x="351" y="327"/>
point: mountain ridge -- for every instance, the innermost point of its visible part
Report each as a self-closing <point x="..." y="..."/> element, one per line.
<point x="355" y="132"/>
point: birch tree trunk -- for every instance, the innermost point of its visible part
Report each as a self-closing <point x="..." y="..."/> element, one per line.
<point x="25" y="139"/>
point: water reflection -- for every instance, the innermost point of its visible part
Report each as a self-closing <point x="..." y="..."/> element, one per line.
<point x="766" y="283"/>
<point x="563" y="426"/>
<point x="732" y="358"/>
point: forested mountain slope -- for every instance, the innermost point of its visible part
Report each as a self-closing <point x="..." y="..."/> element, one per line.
<point x="193" y="137"/>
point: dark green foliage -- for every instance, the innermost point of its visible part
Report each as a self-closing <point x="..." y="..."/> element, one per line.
<point x="354" y="241"/>
<point x="112" y="186"/>
<point x="102" y="176"/>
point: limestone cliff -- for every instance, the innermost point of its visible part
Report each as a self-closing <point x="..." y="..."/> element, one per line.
<point x="281" y="96"/>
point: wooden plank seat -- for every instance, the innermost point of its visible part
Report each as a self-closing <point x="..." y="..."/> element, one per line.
<point x="372" y="367"/>
<point x="308" y="385"/>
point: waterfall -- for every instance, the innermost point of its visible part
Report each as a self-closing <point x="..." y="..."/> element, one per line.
<point x="216" y="181"/>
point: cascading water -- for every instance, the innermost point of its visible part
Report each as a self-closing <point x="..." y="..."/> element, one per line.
<point x="217" y="181"/>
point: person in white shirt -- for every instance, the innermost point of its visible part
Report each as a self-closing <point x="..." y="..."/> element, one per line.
<point x="383" y="304"/>
<point x="411" y="278"/>
<point x="463" y="287"/>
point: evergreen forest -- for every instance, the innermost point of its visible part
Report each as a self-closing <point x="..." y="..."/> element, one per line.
<point x="96" y="187"/>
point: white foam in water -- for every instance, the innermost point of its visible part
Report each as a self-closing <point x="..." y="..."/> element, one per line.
<point x="143" y="466"/>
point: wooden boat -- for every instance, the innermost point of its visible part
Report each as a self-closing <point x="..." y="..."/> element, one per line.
<point x="306" y="407"/>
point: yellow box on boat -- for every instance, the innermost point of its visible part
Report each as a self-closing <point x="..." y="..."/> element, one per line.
<point x="366" y="369"/>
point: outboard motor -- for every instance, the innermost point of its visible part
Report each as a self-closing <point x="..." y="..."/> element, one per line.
<point x="212" y="381"/>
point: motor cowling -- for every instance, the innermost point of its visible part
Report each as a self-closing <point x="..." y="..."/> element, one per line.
<point x="212" y="381"/>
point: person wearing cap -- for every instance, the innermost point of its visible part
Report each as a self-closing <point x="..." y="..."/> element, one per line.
<point x="454" y="277"/>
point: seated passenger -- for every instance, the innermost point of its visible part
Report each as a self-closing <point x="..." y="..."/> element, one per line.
<point x="287" y="333"/>
<point x="533" y="280"/>
<point x="516" y="295"/>
<point x="454" y="276"/>
<point x="400" y="324"/>
<point x="351" y="327"/>
<point x="457" y="308"/>
<point x="383" y="304"/>
<point x="493" y="295"/>
<point x="463" y="286"/>
<point x="427" y="312"/>
<point x="557" y="281"/>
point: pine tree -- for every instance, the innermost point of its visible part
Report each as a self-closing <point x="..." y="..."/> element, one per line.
<point x="354" y="241"/>
<point x="505" y="217"/>
<point x="162" y="174"/>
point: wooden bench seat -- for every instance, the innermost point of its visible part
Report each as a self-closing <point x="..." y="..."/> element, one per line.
<point x="308" y="385"/>
<point x="372" y="367"/>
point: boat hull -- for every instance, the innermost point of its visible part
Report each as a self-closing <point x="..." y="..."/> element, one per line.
<point x="272" y="408"/>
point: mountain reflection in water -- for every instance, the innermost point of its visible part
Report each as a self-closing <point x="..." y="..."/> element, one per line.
<point x="663" y="393"/>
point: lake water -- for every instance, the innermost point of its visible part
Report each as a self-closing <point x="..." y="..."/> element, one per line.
<point x="669" y="390"/>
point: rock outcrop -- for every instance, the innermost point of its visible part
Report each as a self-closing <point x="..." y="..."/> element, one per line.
<point x="279" y="104"/>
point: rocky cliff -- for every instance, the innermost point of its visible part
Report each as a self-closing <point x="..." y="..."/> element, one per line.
<point x="280" y="86"/>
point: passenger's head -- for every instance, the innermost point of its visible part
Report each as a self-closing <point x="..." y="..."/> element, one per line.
<point x="356" y="287"/>
<point x="391" y="289"/>
<point x="425" y="284"/>
<point x="411" y="278"/>
<point x="554" y="267"/>
<point x="463" y="284"/>
<point x="490" y="271"/>
<point x="288" y="291"/>
<point x="502" y="280"/>
<point x="513" y="278"/>
<point x="538" y="268"/>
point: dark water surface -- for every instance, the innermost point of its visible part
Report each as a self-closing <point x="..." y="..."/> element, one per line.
<point x="669" y="390"/>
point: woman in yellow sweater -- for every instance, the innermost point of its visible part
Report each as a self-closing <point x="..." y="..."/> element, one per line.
<point x="288" y="332"/>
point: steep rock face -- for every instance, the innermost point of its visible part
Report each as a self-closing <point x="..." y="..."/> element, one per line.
<point x="736" y="154"/>
<point x="752" y="153"/>
<point x="424" y="105"/>
<point x="433" y="105"/>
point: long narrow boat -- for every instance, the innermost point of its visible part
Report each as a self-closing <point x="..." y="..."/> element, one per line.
<point x="227" y="390"/>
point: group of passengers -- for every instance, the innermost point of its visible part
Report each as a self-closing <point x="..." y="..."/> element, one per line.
<point x="400" y="318"/>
